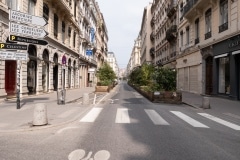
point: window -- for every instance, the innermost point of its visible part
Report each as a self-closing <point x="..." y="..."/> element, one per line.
<point x="74" y="39"/>
<point x="75" y="9"/>
<point x="55" y="26"/>
<point x="12" y="4"/>
<point x="197" y="31"/>
<point x="31" y="6"/>
<point x="187" y="36"/>
<point x="45" y="11"/>
<point x="208" y="21"/>
<point x="63" y="32"/>
<point x="223" y="11"/>
<point x="224" y="75"/>
<point x="181" y="36"/>
<point x="223" y="15"/>
<point x="69" y="32"/>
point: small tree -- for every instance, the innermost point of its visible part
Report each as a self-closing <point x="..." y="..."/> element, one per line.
<point x="106" y="75"/>
<point x="165" y="78"/>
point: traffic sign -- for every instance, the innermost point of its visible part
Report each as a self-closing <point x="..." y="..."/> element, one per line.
<point x="89" y="52"/>
<point x="13" y="46"/>
<point x="27" y="30"/>
<point x="26" y="18"/>
<point x="27" y="40"/>
<point x="13" y="55"/>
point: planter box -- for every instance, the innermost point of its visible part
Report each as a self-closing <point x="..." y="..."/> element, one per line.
<point x="102" y="88"/>
<point x="173" y="97"/>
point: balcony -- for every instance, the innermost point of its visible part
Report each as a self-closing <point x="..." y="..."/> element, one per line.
<point x="152" y="51"/>
<point x="208" y="35"/>
<point x="196" y="40"/>
<point x="173" y="54"/>
<point x="223" y="27"/>
<point x="171" y="33"/>
<point x="152" y="37"/>
<point x="172" y="8"/>
<point x="61" y="5"/>
<point x="152" y="22"/>
<point x="195" y="7"/>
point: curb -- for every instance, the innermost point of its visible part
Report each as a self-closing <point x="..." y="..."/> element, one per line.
<point x="50" y="125"/>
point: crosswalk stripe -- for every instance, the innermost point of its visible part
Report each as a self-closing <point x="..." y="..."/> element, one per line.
<point x="221" y="121"/>
<point x="92" y="115"/>
<point x="189" y="120"/>
<point x="155" y="117"/>
<point x="122" y="116"/>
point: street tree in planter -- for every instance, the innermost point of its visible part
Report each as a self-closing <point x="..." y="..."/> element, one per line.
<point x="106" y="76"/>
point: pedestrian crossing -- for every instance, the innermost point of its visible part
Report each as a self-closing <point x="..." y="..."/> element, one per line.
<point x="123" y="117"/>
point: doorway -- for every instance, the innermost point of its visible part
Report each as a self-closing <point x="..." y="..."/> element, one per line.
<point x="10" y="77"/>
<point x="32" y="69"/>
<point x="209" y="75"/>
<point x="45" y="71"/>
<point x="55" y="72"/>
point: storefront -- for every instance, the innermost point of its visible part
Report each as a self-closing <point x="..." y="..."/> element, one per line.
<point x="226" y="68"/>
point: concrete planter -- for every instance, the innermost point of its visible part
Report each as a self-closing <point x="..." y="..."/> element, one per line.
<point x="102" y="89"/>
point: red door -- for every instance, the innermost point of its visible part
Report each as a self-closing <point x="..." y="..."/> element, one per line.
<point x="10" y="77"/>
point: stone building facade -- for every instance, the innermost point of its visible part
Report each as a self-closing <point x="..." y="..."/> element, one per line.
<point x="70" y="23"/>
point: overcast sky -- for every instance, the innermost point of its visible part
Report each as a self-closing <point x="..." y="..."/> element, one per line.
<point x="123" y="19"/>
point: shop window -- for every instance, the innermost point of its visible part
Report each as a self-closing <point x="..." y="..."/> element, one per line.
<point x="224" y="75"/>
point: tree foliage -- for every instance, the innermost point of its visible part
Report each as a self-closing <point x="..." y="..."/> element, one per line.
<point x="155" y="79"/>
<point x="106" y="75"/>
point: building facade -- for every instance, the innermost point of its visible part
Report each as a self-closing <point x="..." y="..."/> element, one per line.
<point x="63" y="63"/>
<point x="112" y="61"/>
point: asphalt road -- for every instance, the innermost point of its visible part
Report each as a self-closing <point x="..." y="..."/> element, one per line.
<point x="126" y="126"/>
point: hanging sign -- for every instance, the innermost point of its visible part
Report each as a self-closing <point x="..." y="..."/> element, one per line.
<point x="27" y="30"/>
<point x="26" y="18"/>
<point x="10" y="46"/>
<point x="27" y="40"/>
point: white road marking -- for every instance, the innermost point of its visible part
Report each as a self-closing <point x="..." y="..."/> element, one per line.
<point x="221" y="121"/>
<point x="76" y="154"/>
<point x="232" y="115"/>
<point x="67" y="113"/>
<point x="155" y="117"/>
<point x="66" y="128"/>
<point x="122" y="116"/>
<point x="189" y="120"/>
<point x="92" y="115"/>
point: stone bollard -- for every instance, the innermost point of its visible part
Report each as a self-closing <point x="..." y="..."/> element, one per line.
<point x="206" y="103"/>
<point x="40" y="115"/>
<point x="85" y="98"/>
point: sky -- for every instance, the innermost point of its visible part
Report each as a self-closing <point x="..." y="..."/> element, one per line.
<point x="123" y="19"/>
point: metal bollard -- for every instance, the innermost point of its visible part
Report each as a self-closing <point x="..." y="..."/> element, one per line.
<point x="206" y="103"/>
<point x="40" y="115"/>
<point x="85" y="98"/>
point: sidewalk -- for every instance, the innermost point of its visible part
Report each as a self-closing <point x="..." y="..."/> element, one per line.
<point x="12" y="119"/>
<point x="217" y="104"/>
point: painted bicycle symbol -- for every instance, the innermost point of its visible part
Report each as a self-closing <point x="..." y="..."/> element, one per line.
<point x="79" y="154"/>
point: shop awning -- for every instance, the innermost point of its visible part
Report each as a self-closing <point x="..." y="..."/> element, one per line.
<point x="236" y="52"/>
<point x="222" y="55"/>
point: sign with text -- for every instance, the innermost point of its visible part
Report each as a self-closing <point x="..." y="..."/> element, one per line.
<point x="10" y="46"/>
<point x="26" y="18"/>
<point x="13" y="55"/>
<point x="27" y="40"/>
<point x="27" y="30"/>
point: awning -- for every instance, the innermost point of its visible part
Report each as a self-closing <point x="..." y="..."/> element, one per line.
<point x="236" y="52"/>
<point x="222" y="55"/>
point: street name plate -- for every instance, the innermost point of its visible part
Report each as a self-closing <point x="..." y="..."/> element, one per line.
<point x="27" y="40"/>
<point x="10" y="46"/>
<point x="13" y="56"/>
<point x="26" y="18"/>
<point x="27" y="30"/>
